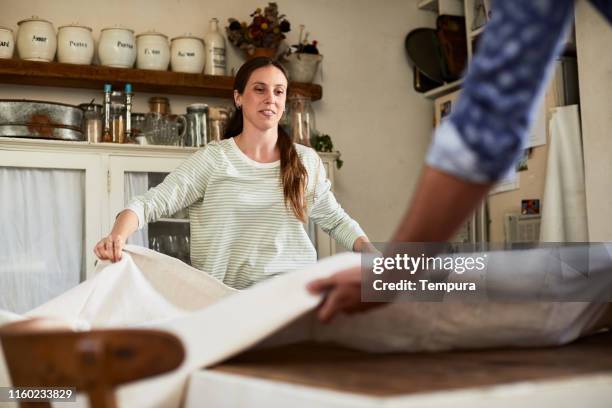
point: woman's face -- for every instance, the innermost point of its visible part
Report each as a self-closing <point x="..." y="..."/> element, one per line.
<point x="263" y="99"/>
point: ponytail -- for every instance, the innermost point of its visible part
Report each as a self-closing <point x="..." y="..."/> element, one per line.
<point x="293" y="174"/>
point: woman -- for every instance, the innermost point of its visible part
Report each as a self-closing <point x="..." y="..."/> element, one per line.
<point x="248" y="195"/>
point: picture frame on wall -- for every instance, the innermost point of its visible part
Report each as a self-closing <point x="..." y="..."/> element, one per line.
<point x="443" y="106"/>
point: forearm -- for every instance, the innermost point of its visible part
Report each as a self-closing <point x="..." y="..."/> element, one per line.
<point x="440" y="205"/>
<point x="363" y="244"/>
<point x="125" y="224"/>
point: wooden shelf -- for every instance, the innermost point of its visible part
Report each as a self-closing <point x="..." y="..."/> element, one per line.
<point x="444" y="89"/>
<point x="21" y="72"/>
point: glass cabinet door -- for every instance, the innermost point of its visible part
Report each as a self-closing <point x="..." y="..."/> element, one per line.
<point x="131" y="177"/>
<point x="169" y="235"/>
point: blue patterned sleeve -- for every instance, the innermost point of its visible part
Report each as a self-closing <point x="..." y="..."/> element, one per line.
<point x="489" y="124"/>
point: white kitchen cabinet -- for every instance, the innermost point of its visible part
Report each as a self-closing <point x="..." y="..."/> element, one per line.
<point x="105" y="167"/>
<point x="91" y="166"/>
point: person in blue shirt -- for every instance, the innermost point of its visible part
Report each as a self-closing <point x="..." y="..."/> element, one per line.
<point x="484" y="135"/>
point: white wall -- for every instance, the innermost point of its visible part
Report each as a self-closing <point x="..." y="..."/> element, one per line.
<point x="593" y="39"/>
<point x="381" y="126"/>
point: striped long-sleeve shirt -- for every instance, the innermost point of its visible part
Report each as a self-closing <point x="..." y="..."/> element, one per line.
<point x="241" y="230"/>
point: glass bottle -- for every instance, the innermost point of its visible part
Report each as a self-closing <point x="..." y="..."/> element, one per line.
<point x="106" y="134"/>
<point x="215" y="50"/>
<point x="128" y="113"/>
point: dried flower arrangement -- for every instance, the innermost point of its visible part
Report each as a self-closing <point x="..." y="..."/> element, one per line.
<point x="267" y="30"/>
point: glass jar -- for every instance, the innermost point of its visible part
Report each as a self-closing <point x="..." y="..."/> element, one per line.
<point x="196" y="125"/>
<point x="117" y="124"/>
<point x="92" y="122"/>
<point x="301" y="119"/>
<point x="138" y="124"/>
<point x="218" y="117"/>
<point x="117" y="116"/>
<point x="159" y="104"/>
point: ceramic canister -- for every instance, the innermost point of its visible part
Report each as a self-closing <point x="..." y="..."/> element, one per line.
<point x="75" y="44"/>
<point x="36" y="40"/>
<point x="7" y="43"/>
<point x="187" y="54"/>
<point x="117" y="47"/>
<point x="153" y="51"/>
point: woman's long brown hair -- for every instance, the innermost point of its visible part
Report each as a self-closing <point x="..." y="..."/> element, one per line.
<point x="293" y="174"/>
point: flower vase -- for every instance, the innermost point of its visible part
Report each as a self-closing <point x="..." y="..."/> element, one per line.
<point x="261" y="52"/>
<point x="303" y="67"/>
<point x="301" y="118"/>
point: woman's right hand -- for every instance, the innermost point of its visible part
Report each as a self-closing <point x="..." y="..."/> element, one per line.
<point x="109" y="248"/>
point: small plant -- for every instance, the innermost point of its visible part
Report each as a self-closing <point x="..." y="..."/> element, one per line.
<point x="267" y="30"/>
<point x="303" y="46"/>
<point x="323" y="143"/>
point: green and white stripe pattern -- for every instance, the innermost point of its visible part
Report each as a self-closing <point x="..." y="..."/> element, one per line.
<point x="241" y="230"/>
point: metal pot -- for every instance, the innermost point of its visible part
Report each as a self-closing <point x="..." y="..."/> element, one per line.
<point x="47" y="120"/>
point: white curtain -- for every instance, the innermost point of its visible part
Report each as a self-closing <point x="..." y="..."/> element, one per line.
<point x="135" y="185"/>
<point x="42" y="215"/>
<point x="564" y="217"/>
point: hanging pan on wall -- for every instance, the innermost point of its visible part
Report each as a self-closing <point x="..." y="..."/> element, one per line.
<point x="438" y="55"/>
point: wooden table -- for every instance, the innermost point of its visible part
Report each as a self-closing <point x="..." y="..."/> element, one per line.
<point x="577" y="375"/>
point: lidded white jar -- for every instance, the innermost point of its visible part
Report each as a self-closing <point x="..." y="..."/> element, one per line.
<point x="75" y="44"/>
<point x="187" y="54"/>
<point x="153" y="51"/>
<point x="36" y="40"/>
<point x="117" y="47"/>
<point x="7" y="42"/>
